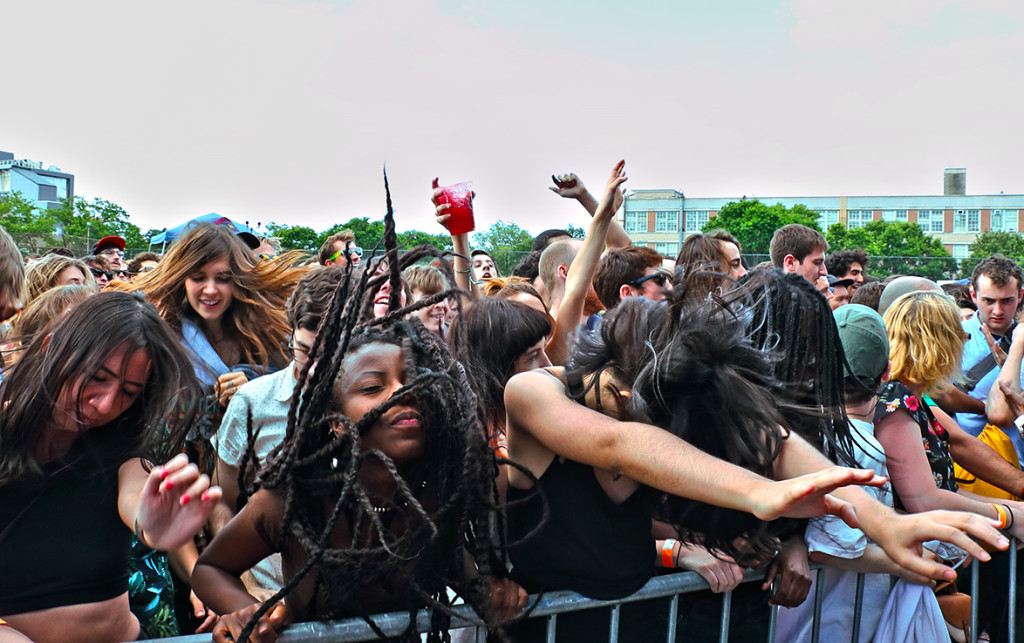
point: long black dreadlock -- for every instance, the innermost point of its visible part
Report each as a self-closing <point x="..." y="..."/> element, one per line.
<point x="788" y="318"/>
<point x="447" y="500"/>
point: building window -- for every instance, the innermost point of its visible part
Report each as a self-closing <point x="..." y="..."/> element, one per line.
<point x="666" y="221"/>
<point x="960" y="250"/>
<point x="1004" y="221"/>
<point x="696" y="220"/>
<point x="858" y="218"/>
<point x="827" y="218"/>
<point x="668" y="249"/>
<point x="930" y="221"/>
<point x="967" y="221"/>
<point x="893" y="216"/>
<point x="636" y="221"/>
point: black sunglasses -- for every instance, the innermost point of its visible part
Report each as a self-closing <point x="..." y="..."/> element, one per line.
<point x="97" y="273"/>
<point x="657" y="277"/>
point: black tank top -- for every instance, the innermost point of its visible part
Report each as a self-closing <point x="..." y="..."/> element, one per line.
<point x="589" y="544"/>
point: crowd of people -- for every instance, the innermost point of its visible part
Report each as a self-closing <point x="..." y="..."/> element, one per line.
<point x="230" y="438"/>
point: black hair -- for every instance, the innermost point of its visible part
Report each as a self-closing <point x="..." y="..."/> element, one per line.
<point x="789" y="319"/>
<point x="316" y="467"/>
<point x="543" y="240"/>
<point x="708" y="384"/>
<point x="488" y="338"/>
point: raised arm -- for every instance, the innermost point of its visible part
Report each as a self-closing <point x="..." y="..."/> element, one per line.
<point x="570" y="186"/>
<point x="979" y="458"/>
<point x="460" y="245"/>
<point x="583" y="268"/>
<point x="1000" y="409"/>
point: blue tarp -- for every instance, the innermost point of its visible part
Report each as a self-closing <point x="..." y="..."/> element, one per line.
<point x="168" y="236"/>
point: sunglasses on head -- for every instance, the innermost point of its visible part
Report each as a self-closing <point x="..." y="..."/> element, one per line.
<point x="352" y="250"/>
<point x="658" y="278"/>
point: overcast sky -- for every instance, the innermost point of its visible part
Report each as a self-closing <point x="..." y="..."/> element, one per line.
<point x="286" y="110"/>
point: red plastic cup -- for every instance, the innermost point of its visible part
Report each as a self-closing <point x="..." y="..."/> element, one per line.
<point x="460" y="220"/>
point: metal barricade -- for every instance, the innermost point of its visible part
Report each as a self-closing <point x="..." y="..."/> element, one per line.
<point x="554" y="603"/>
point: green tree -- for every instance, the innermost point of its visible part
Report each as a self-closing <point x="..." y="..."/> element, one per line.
<point x="504" y="237"/>
<point x="295" y="237"/>
<point x="75" y="224"/>
<point x="412" y="238"/>
<point x="1008" y="244"/>
<point x="895" y="248"/>
<point x="368" y="233"/>
<point x="753" y="223"/>
<point x="576" y="232"/>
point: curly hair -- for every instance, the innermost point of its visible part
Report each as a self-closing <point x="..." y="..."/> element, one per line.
<point x="926" y="340"/>
<point x="259" y="290"/>
<point x="839" y="262"/>
<point x="999" y="270"/>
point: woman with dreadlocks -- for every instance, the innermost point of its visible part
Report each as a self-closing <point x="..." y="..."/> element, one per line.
<point x="382" y="493"/>
<point x="592" y="467"/>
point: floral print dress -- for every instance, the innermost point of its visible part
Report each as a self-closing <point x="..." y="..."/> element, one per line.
<point x="896" y="397"/>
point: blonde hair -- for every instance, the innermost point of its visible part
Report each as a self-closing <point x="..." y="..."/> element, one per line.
<point x="43" y="274"/>
<point x="926" y="340"/>
<point x="426" y="279"/>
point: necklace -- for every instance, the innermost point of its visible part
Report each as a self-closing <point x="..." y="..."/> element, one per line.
<point x="403" y="505"/>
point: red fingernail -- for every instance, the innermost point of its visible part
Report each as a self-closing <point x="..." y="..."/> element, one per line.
<point x="185" y="499"/>
<point x="205" y="497"/>
<point x="164" y="473"/>
<point x="168" y="484"/>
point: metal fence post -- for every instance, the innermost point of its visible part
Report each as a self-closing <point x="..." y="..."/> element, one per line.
<point x="1012" y="611"/>
<point x="858" y="604"/>
<point x="819" y="596"/>
<point x="723" y="633"/>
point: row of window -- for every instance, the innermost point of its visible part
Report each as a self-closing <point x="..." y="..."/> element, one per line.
<point x="931" y="221"/>
<point x="667" y="220"/>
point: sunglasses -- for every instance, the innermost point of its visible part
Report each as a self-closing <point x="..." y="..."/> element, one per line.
<point x="352" y="250"/>
<point x="97" y="273"/>
<point x="658" y="278"/>
<point x="112" y="251"/>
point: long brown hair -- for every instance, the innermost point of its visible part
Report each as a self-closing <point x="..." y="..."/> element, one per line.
<point x="259" y="290"/>
<point x="98" y="327"/>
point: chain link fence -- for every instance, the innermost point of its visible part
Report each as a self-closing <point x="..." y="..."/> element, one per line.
<point x="36" y="244"/>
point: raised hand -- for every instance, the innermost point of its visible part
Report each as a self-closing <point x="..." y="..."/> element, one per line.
<point x="175" y="502"/>
<point x="568" y="186"/>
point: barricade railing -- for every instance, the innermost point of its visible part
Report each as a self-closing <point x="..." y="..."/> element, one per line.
<point x="554" y="603"/>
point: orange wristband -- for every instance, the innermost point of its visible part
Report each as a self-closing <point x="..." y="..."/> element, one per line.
<point x="1003" y="518"/>
<point x="668" y="558"/>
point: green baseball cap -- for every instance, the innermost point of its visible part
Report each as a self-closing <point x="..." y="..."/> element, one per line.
<point x="865" y="341"/>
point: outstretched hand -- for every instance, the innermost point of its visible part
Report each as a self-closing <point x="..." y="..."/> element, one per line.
<point x="808" y="496"/>
<point x="175" y="503"/>
<point x="903" y="535"/>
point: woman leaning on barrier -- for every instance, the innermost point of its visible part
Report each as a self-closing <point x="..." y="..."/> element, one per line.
<point x="921" y="440"/>
<point x="556" y="442"/>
